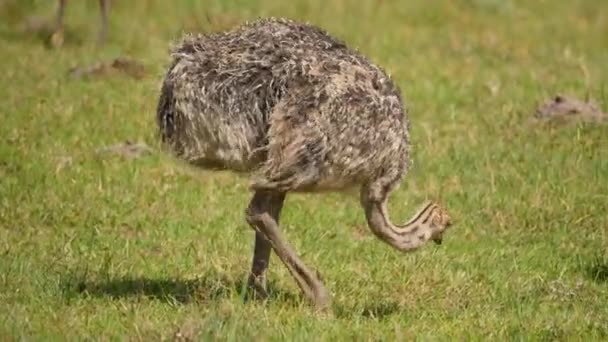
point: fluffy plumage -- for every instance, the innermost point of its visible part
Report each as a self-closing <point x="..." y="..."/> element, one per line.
<point x="287" y="102"/>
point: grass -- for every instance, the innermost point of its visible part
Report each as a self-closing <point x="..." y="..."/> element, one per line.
<point x="105" y="247"/>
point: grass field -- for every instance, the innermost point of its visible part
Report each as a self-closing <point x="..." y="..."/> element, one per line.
<point x="106" y="247"/>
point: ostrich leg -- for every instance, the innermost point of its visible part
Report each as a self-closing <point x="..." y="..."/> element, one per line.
<point x="60" y="15"/>
<point x="263" y="222"/>
<point x="261" y="252"/>
<point x="56" y="39"/>
<point x="104" y="7"/>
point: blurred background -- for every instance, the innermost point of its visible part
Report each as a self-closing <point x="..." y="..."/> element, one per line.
<point x="101" y="234"/>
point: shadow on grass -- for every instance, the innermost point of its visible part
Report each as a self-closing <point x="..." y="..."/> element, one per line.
<point x="597" y="269"/>
<point x="175" y="291"/>
<point x="205" y="289"/>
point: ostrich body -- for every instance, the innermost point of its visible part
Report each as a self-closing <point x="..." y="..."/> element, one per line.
<point x="302" y="112"/>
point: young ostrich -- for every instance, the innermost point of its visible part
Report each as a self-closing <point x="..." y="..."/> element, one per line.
<point x="303" y="112"/>
<point x="104" y="7"/>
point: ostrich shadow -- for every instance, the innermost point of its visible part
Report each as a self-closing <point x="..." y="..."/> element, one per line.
<point x="172" y="290"/>
<point x="206" y="289"/>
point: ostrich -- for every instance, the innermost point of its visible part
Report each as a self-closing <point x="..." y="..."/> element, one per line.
<point x="300" y="112"/>
<point x="104" y="7"/>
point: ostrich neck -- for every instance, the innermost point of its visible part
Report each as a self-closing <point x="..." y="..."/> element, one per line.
<point x="406" y="237"/>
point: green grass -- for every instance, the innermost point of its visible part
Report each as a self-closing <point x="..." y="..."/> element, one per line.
<point x="104" y="247"/>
